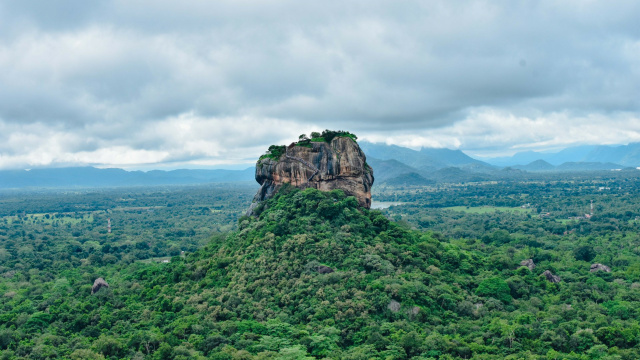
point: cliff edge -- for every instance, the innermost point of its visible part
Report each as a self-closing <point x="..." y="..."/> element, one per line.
<point x="327" y="161"/>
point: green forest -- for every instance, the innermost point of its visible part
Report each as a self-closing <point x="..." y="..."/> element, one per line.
<point x="495" y="270"/>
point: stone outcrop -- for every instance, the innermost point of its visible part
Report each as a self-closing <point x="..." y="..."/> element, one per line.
<point x="98" y="284"/>
<point x="600" y="267"/>
<point x="340" y="164"/>
<point x="528" y="263"/>
<point x="324" y="269"/>
<point x="394" y="306"/>
<point x="550" y="277"/>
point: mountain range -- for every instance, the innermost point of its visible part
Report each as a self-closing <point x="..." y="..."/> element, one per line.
<point x="392" y="164"/>
<point x="395" y="165"/>
<point x="624" y="155"/>
<point x="94" y="177"/>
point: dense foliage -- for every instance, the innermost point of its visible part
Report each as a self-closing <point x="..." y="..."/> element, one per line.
<point x="276" y="151"/>
<point x="395" y="293"/>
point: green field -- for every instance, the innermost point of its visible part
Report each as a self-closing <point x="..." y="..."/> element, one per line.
<point x="487" y="209"/>
<point x="50" y="218"/>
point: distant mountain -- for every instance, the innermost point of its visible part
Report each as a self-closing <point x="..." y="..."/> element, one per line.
<point x="541" y="165"/>
<point x="625" y="155"/>
<point x="456" y="174"/>
<point x="538" y="165"/>
<point x="587" y="166"/>
<point x="387" y="169"/>
<point x="426" y="158"/>
<point x="453" y="166"/>
<point x="410" y="179"/>
<point x="94" y="177"/>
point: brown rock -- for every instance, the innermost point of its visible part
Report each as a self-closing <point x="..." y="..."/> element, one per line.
<point x="600" y="267"/>
<point x="528" y="263"/>
<point x="98" y="284"/>
<point x="340" y="164"/>
<point x="550" y="277"/>
<point x="324" y="269"/>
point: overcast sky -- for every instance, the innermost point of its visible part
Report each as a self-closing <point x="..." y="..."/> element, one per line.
<point x="162" y="84"/>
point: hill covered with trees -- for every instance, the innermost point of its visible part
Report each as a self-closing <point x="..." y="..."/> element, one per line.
<point x="314" y="275"/>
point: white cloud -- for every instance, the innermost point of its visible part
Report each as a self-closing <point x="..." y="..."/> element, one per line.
<point x="205" y="82"/>
<point x="490" y="132"/>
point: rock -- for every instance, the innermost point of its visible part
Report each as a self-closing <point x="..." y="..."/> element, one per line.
<point x="528" y="263"/>
<point x="600" y="267"/>
<point x="98" y="284"/>
<point x="394" y="306"/>
<point x="550" y="277"/>
<point x="324" y="269"/>
<point x="340" y="164"/>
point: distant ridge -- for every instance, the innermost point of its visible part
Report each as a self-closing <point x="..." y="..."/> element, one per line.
<point x="538" y="165"/>
<point x="388" y="162"/>
<point x="587" y="166"/>
<point x="454" y="166"/>
<point x="410" y="179"/>
<point x="94" y="177"/>
<point x="623" y="155"/>
<point x="425" y="158"/>
<point x="541" y="165"/>
<point x="387" y="169"/>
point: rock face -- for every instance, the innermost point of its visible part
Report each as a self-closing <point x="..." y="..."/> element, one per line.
<point x="324" y="269"/>
<point x="600" y="267"/>
<point x="550" y="277"/>
<point x="339" y="164"/>
<point x="98" y="284"/>
<point x="528" y="263"/>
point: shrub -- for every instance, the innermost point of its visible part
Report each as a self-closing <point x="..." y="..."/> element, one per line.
<point x="495" y="287"/>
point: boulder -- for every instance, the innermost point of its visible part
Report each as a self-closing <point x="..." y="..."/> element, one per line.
<point x="394" y="306"/>
<point x="413" y="311"/>
<point x="98" y="284"/>
<point x="600" y="267"/>
<point x="528" y="263"/>
<point x="550" y="277"/>
<point x="324" y="269"/>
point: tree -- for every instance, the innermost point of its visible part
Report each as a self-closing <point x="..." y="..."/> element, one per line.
<point x="584" y="253"/>
<point x="495" y="287"/>
<point x="297" y="352"/>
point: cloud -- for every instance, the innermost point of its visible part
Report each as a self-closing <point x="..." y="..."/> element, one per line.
<point x="487" y="132"/>
<point x="143" y="82"/>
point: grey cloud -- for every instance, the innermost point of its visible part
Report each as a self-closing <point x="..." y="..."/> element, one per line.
<point x="108" y="71"/>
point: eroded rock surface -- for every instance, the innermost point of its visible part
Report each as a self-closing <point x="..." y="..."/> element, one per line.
<point x="528" y="263"/>
<point x="394" y="306"/>
<point x="550" y="277"/>
<point x="98" y="284"/>
<point x="340" y="164"/>
<point x="324" y="269"/>
<point x="599" y="267"/>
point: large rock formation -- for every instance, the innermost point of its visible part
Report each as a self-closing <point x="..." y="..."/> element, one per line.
<point x="338" y="164"/>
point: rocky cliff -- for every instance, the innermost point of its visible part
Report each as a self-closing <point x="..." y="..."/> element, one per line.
<point x="323" y="165"/>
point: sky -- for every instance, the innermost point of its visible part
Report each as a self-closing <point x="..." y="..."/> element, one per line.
<point x="194" y="83"/>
